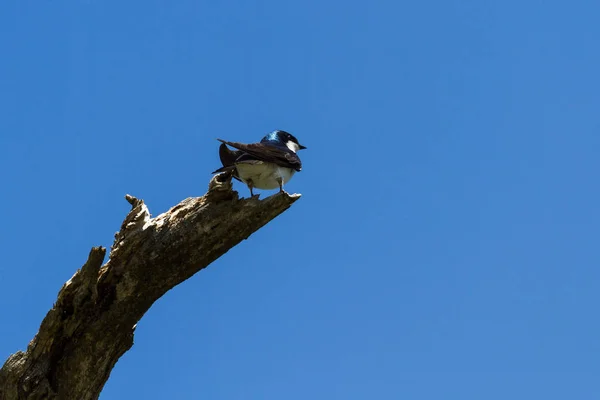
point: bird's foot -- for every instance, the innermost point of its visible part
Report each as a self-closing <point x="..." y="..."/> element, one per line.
<point x="280" y="181"/>
<point x="250" y="186"/>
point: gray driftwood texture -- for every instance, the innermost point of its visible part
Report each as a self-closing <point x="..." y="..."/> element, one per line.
<point x="93" y="320"/>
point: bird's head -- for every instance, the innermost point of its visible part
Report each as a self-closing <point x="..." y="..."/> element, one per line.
<point x="283" y="138"/>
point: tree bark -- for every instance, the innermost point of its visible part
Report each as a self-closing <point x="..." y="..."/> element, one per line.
<point x="91" y="325"/>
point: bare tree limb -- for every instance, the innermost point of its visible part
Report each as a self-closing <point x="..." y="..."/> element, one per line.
<point x="93" y="320"/>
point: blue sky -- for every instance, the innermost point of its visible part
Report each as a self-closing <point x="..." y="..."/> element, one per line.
<point x="446" y="242"/>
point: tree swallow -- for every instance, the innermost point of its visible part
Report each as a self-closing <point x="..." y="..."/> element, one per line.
<point x="265" y="165"/>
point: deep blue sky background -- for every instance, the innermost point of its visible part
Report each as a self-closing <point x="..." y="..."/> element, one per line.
<point x="446" y="245"/>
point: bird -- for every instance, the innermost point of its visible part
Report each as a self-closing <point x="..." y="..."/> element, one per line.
<point x="269" y="164"/>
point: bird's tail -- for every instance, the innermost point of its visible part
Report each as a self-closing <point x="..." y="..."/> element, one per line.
<point x="230" y="169"/>
<point x="228" y="158"/>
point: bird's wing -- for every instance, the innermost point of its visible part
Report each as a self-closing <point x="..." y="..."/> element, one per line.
<point x="228" y="158"/>
<point x="269" y="153"/>
<point x="227" y="155"/>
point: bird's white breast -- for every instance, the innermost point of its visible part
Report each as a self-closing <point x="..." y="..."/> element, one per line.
<point x="262" y="174"/>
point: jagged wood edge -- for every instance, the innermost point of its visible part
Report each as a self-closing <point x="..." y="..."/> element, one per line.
<point x="91" y="325"/>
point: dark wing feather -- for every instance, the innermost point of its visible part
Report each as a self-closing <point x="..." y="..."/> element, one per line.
<point x="281" y="156"/>
<point x="228" y="158"/>
<point x="227" y="155"/>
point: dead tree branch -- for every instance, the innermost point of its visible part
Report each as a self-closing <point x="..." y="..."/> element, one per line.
<point x="93" y="320"/>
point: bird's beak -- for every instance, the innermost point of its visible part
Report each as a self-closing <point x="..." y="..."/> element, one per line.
<point x="301" y="147"/>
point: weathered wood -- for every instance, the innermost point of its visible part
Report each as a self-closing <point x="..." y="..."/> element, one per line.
<point x="93" y="320"/>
